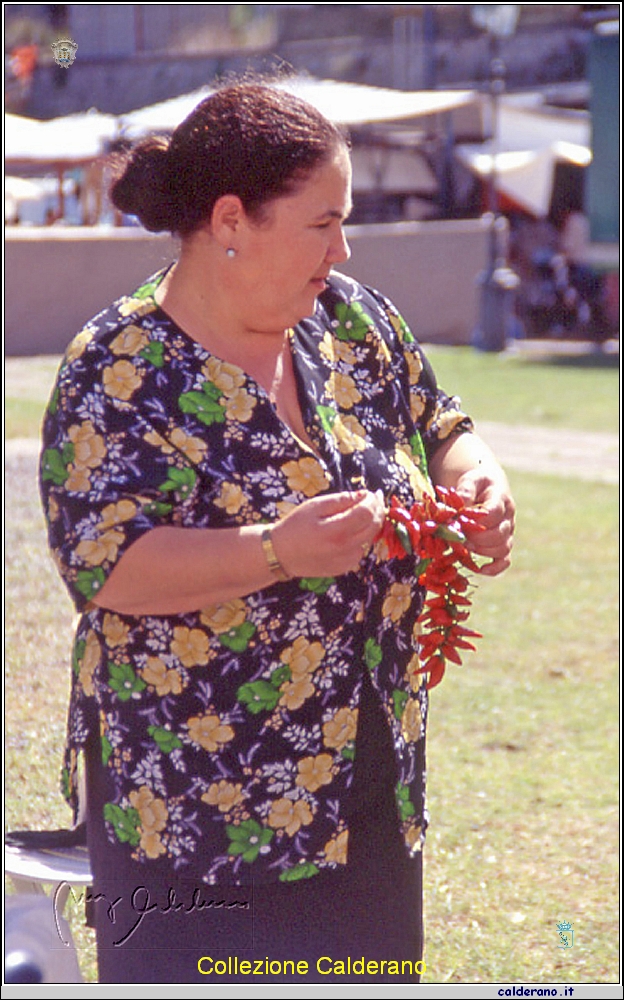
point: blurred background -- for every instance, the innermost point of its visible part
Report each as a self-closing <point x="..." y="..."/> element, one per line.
<point x="485" y="147"/>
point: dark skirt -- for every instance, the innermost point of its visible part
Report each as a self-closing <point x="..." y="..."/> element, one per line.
<point x="359" y="924"/>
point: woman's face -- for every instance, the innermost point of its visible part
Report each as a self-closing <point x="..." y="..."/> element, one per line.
<point x="282" y="262"/>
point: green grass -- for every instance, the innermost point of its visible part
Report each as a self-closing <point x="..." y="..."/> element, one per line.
<point x="523" y="738"/>
<point x="581" y="393"/>
<point x="523" y="757"/>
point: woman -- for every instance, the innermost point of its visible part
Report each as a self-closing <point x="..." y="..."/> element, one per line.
<point x="219" y="452"/>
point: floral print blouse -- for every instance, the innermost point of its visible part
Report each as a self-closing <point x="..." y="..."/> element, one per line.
<point x="229" y="733"/>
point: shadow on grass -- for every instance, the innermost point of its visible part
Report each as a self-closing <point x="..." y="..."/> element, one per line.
<point x="597" y="360"/>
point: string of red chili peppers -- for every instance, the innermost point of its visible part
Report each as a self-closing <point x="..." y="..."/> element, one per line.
<point x="435" y="532"/>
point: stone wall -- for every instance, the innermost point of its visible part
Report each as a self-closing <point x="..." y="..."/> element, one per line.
<point x="57" y="279"/>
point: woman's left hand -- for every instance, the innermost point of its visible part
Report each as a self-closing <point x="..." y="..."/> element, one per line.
<point x="466" y="464"/>
<point x="493" y="495"/>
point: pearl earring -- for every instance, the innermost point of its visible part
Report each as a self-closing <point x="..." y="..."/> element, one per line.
<point x="230" y="252"/>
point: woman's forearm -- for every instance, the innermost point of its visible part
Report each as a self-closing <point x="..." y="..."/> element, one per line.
<point x="172" y="570"/>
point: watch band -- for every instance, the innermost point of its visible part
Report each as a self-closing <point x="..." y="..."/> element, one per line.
<point x="273" y="562"/>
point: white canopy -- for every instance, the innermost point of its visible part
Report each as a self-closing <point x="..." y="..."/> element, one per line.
<point x="528" y="147"/>
<point x="61" y="141"/>
<point x="346" y="103"/>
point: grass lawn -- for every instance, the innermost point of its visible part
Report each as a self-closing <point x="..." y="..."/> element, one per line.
<point x="523" y="738"/>
<point x="581" y="393"/>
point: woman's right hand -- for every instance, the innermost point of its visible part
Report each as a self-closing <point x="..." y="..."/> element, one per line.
<point x="328" y="535"/>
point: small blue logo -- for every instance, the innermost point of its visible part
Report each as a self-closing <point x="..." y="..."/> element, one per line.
<point x="566" y="935"/>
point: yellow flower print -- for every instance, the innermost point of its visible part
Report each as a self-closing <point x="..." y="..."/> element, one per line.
<point x="413" y="838"/>
<point x="349" y="434"/>
<point x="100" y="550"/>
<point x="53" y="509"/>
<point x="415" y="679"/>
<point x="160" y="677"/>
<point x="333" y="349"/>
<point x="137" y="306"/>
<point x="335" y="850"/>
<point x="193" y="447"/>
<point x="223" y="617"/>
<point x="411" y="722"/>
<point x="78" y="481"/>
<point x="115" y="630"/>
<point x="315" y="772"/>
<point x="295" y="692"/>
<point x="209" y="732"/>
<point x="153" y="814"/>
<point x="231" y="499"/>
<point x="89" y="447"/>
<point x="228" y="378"/>
<point x="341" y="728"/>
<point x="343" y="389"/>
<point x="303" y="657"/>
<point x="152" y="844"/>
<point x="397" y="602"/>
<point x="404" y="458"/>
<point x="78" y="345"/>
<point x="284" y="508"/>
<point x="414" y="366"/>
<point x="130" y="341"/>
<point x="116" y="513"/>
<point x="447" y="422"/>
<point x="90" y="660"/>
<point x="224" y="795"/>
<point x="290" y="816"/>
<point x="190" y="645"/>
<point x="121" y="380"/>
<point x="306" y="476"/>
<point x="417" y="406"/>
<point x="240" y="406"/>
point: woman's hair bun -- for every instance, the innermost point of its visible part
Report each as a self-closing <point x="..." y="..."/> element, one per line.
<point x="145" y="187"/>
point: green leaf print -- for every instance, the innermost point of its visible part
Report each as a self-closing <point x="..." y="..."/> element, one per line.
<point x="353" y="324"/>
<point x="146" y="291"/>
<point x="406" y="808"/>
<point x="66" y="785"/>
<point x="248" y="839"/>
<point x="107" y="750"/>
<point x="164" y="739"/>
<point x="204" y="405"/>
<point x="53" y="468"/>
<point x="54" y="399"/>
<point x="348" y="750"/>
<point x="405" y="334"/>
<point x="399" y="699"/>
<point x="316" y="584"/>
<point x="237" y="639"/>
<point x="124" y="681"/>
<point x="328" y="417"/>
<point x="77" y="655"/>
<point x="418" y="451"/>
<point x="297" y="872"/>
<point x="258" y="696"/>
<point x="89" y="581"/>
<point x="280" y="676"/>
<point x="154" y="353"/>
<point x="372" y="654"/>
<point x="124" y="822"/>
<point x="180" y="481"/>
<point x="156" y="509"/>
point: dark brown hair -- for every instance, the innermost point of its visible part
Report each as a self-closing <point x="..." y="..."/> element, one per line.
<point x="253" y="140"/>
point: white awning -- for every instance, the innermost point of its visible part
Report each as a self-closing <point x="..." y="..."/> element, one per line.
<point x="345" y="103"/>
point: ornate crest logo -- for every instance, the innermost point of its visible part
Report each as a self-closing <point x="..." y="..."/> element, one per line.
<point x="64" y="51"/>
<point x="566" y="935"/>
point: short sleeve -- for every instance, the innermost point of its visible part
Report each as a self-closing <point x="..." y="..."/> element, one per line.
<point x="107" y="476"/>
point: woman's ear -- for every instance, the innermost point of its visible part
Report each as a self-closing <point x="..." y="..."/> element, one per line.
<point x="228" y="215"/>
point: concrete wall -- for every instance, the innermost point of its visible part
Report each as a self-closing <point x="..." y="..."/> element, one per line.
<point x="57" y="279"/>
